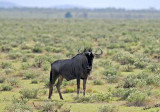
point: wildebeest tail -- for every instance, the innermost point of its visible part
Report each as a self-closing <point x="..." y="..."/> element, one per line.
<point x="51" y="76"/>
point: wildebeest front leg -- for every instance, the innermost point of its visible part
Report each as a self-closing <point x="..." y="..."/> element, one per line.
<point x="78" y="86"/>
<point x="60" y="79"/>
<point x="84" y="86"/>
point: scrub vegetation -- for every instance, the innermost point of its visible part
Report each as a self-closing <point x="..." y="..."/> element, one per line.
<point x="126" y="78"/>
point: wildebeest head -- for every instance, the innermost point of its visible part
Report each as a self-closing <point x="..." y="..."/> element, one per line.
<point x="90" y="56"/>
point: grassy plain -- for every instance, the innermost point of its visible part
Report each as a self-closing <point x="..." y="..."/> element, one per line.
<point x="127" y="74"/>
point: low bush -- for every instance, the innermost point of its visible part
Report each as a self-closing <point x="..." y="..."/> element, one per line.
<point x="31" y="74"/>
<point x="111" y="74"/>
<point x="19" y="105"/>
<point x="54" y="106"/>
<point x="6" y="65"/>
<point x="25" y="46"/>
<point x="140" y="64"/>
<point x="34" y="81"/>
<point x="6" y="87"/>
<point x="24" y="59"/>
<point x="108" y="108"/>
<point x="123" y="93"/>
<point x="39" y="61"/>
<point x="25" y="66"/>
<point x="112" y="78"/>
<point x="14" y="55"/>
<point x="124" y="58"/>
<point x="13" y="81"/>
<point x="130" y="81"/>
<point x="9" y="71"/>
<point x="128" y="68"/>
<point x="138" y="98"/>
<point x="37" y="49"/>
<point x="5" y="48"/>
<point x="70" y="90"/>
<point x="29" y="93"/>
<point x="2" y="79"/>
<point x="46" y="66"/>
<point x="98" y="82"/>
<point x="97" y="97"/>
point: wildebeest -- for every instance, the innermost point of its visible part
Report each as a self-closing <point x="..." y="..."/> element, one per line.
<point x="78" y="67"/>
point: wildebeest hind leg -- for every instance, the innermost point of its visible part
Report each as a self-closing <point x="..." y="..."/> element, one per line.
<point x="53" y="78"/>
<point x="60" y="79"/>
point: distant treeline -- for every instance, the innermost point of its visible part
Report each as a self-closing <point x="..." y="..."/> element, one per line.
<point x="107" y="13"/>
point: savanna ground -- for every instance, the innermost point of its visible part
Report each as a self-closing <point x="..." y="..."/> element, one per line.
<point x="126" y="78"/>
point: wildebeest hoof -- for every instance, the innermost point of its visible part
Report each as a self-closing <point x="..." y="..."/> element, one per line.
<point x="62" y="99"/>
<point x="49" y="98"/>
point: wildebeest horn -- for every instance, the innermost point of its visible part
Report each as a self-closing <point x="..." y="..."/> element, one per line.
<point x="79" y="50"/>
<point x="100" y="53"/>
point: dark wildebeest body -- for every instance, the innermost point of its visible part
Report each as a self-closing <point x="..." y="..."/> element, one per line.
<point x="78" y="67"/>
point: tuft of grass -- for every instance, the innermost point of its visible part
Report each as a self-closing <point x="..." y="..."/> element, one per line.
<point x="19" y="105"/>
<point x="70" y="90"/>
<point x="138" y="98"/>
<point x="6" y="65"/>
<point x="108" y="108"/>
<point x="29" y="93"/>
<point x="97" y="97"/>
<point x="34" y="81"/>
<point x="2" y="79"/>
<point x="13" y="81"/>
<point x="31" y="74"/>
<point x="98" y="82"/>
<point x="6" y="87"/>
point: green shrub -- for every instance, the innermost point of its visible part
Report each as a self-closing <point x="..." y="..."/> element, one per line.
<point x="46" y="83"/>
<point x="124" y="58"/>
<point x="130" y="81"/>
<point x="6" y="87"/>
<point x="29" y="93"/>
<point x="9" y="71"/>
<point x="31" y="74"/>
<point x="97" y="97"/>
<point x="39" y="61"/>
<point x="5" y="48"/>
<point x="128" y="68"/>
<point x="123" y="93"/>
<point x="112" y="78"/>
<point x="25" y="66"/>
<point x="19" y="105"/>
<point x="24" y="59"/>
<point x="54" y="106"/>
<point x="14" y="55"/>
<point x="140" y="64"/>
<point x="138" y="98"/>
<point x="108" y="108"/>
<point x="37" y="49"/>
<point x="13" y="81"/>
<point x="81" y="99"/>
<point x="111" y="71"/>
<point x="25" y="46"/>
<point x="98" y="82"/>
<point x="2" y="79"/>
<point x="34" y="81"/>
<point x="6" y="65"/>
<point x="46" y="67"/>
<point x="70" y="90"/>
